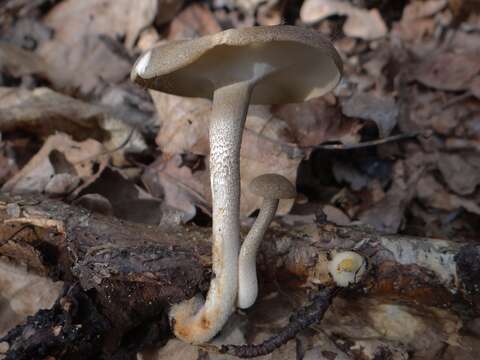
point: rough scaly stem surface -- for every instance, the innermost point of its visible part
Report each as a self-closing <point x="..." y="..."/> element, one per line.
<point x="195" y="322"/>
<point x="247" y="270"/>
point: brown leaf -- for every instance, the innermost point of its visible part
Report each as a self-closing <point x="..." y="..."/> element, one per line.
<point x="60" y="154"/>
<point x="181" y="188"/>
<point x="88" y="64"/>
<point x="316" y="121"/>
<point x="382" y="110"/>
<point x="475" y="87"/>
<point x="194" y="21"/>
<point x="417" y="20"/>
<point x="434" y="195"/>
<point x="43" y="111"/>
<point x="460" y="172"/>
<point x="18" y="62"/>
<point x="364" y="24"/>
<point x="448" y="71"/>
<point x="387" y="215"/>
<point x="73" y="20"/>
<point x="128" y="201"/>
<point x="184" y="123"/>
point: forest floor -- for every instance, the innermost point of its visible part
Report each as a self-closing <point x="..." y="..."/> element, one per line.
<point x="393" y="153"/>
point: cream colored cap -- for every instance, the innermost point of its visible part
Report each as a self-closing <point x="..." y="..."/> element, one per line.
<point x="301" y="63"/>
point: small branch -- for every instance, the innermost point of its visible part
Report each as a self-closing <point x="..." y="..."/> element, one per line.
<point x="305" y="317"/>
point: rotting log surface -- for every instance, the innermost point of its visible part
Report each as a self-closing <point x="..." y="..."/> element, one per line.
<point x="121" y="277"/>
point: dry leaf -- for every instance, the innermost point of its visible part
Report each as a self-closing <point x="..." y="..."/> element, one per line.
<point x="363" y="24"/>
<point x="422" y="9"/>
<point x="194" y="21"/>
<point x="87" y="65"/>
<point x="316" y="121"/>
<point x="18" y="62"/>
<point x="128" y="201"/>
<point x="448" y="71"/>
<point x="60" y="154"/>
<point x="72" y="20"/>
<point x="387" y="215"/>
<point x="184" y="123"/>
<point x="433" y="194"/>
<point x="22" y="294"/>
<point x="460" y="172"/>
<point x="475" y="87"/>
<point x="382" y="110"/>
<point x="43" y="111"/>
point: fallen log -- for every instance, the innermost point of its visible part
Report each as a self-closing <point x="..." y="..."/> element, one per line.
<point x="128" y="274"/>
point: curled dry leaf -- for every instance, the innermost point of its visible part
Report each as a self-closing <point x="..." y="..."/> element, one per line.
<point x="23" y="293"/>
<point x="60" y="154"/>
<point x="43" y="111"/>
<point x="382" y="110"/>
<point x="363" y="24"/>
<point x="448" y="71"/>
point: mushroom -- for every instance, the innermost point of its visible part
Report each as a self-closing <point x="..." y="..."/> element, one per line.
<point x="272" y="188"/>
<point x="347" y="267"/>
<point x="259" y="65"/>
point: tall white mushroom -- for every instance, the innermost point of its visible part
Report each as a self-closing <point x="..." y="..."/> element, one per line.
<point x="272" y="188"/>
<point x="259" y="65"/>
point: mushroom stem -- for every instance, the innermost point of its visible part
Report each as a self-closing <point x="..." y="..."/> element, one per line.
<point x="230" y="105"/>
<point x="247" y="270"/>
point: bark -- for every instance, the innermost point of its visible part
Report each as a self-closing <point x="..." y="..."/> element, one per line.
<point x="122" y="276"/>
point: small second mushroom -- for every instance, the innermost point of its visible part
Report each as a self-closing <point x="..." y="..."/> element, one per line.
<point x="347" y="268"/>
<point x="272" y="188"/>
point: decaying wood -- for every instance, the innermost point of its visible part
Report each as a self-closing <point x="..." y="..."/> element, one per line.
<point x="127" y="274"/>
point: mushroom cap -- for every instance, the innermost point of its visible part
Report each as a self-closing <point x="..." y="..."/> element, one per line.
<point x="347" y="267"/>
<point x="291" y="64"/>
<point x="272" y="186"/>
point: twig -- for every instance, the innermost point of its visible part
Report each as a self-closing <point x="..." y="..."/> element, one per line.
<point x="305" y="317"/>
<point x="367" y="143"/>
